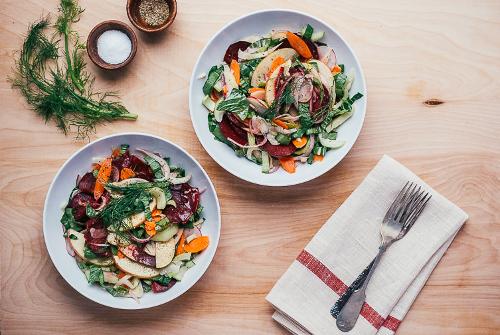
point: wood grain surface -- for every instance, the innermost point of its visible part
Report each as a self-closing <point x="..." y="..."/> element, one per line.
<point x="411" y="52"/>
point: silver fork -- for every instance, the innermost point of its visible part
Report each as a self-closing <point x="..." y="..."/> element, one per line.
<point x="398" y="220"/>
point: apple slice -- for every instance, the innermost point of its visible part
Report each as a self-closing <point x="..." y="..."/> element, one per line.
<point x="78" y="245"/>
<point x="259" y="75"/>
<point x="135" y="269"/>
<point x="165" y="252"/>
<point x="137" y="254"/>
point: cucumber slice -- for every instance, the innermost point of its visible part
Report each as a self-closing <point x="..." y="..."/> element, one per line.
<point x="186" y="256"/>
<point x="265" y="162"/>
<point x="332" y="144"/>
<point x="338" y="121"/>
<point x="317" y="35"/>
<point x="180" y="274"/>
<point x="166" y="234"/>
<point x="209" y="103"/>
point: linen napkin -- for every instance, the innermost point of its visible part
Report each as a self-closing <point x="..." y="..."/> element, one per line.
<point x="348" y="242"/>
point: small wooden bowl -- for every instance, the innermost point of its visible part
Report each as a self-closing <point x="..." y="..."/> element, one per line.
<point x="101" y="28"/>
<point x="139" y="23"/>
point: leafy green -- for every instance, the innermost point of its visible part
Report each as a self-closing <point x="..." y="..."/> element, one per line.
<point x="330" y="136"/>
<point x="146" y="287"/>
<point x="308" y="32"/>
<point x="283" y="139"/>
<point x="123" y="148"/>
<point x="263" y="44"/>
<point x="162" y="280"/>
<point x="236" y="103"/>
<point x="61" y="91"/>
<point x="246" y="71"/>
<point x="213" y="76"/>
<point x="118" y="291"/>
<point x="68" y="220"/>
<point x="95" y="275"/>
<point x="138" y="232"/>
<point x="90" y="212"/>
<point x="214" y="128"/>
<point x="340" y="82"/>
<point x="89" y="254"/>
<point x="162" y="224"/>
<point x="114" y="250"/>
<point x="155" y="167"/>
<point x="306" y="121"/>
<point x="73" y="237"/>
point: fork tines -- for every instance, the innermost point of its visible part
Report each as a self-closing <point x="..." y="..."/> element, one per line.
<point x="408" y="205"/>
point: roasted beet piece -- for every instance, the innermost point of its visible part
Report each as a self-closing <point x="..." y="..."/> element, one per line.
<point x="228" y="131"/>
<point x="186" y="199"/>
<point x="232" y="51"/>
<point x="279" y="150"/>
<point x="87" y="183"/>
<point x="95" y="237"/>
<point x="79" y="203"/>
<point x="158" y="288"/>
<point x="141" y="169"/>
<point x="122" y="161"/>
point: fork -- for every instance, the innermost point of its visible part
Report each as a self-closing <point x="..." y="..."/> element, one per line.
<point x="398" y="220"/>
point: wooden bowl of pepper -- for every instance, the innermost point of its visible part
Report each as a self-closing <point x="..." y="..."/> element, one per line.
<point x="151" y="15"/>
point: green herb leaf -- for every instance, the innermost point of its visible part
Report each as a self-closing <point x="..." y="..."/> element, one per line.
<point x="89" y="254"/>
<point x="162" y="280"/>
<point x="306" y="121"/>
<point x="123" y="148"/>
<point x="308" y="32"/>
<point x="69" y="222"/>
<point x="213" y="76"/>
<point x="73" y="237"/>
<point x="95" y="275"/>
<point x="90" y="212"/>
<point x="60" y="90"/>
<point x="236" y="103"/>
<point x="118" y="291"/>
<point x="155" y="167"/>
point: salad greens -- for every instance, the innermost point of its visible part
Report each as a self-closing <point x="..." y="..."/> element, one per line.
<point x="142" y="230"/>
<point x="279" y="98"/>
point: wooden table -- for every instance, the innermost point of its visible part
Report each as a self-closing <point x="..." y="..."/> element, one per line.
<point x="411" y="53"/>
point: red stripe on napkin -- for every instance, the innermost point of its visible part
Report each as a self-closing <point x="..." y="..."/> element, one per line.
<point x="339" y="287"/>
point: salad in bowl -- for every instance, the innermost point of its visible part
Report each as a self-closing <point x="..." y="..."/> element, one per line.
<point x="278" y="99"/>
<point x="133" y="223"/>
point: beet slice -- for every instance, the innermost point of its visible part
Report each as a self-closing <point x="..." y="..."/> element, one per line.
<point x="122" y="161"/>
<point x="232" y="51"/>
<point x="158" y="288"/>
<point x="279" y="150"/>
<point x="79" y="204"/>
<point x="87" y="183"/>
<point x="186" y="199"/>
<point x="228" y="131"/>
<point x="141" y="169"/>
<point x="95" y="236"/>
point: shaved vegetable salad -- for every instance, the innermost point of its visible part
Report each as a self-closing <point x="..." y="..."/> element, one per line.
<point x="133" y="224"/>
<point x="279" y="98"/>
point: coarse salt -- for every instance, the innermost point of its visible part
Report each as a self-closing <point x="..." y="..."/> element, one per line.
<point x="114" y="46"/>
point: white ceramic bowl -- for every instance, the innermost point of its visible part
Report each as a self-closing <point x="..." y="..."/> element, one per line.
<point x="260" y="23"/>
<point x="61" y="187"/>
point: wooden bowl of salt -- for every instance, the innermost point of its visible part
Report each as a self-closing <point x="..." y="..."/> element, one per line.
<point x="111" y="45"/>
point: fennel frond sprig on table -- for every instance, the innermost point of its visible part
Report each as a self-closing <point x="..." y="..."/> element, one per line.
<point x="58" y="88"/>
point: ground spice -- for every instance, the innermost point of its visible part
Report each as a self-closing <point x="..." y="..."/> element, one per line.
<point x="154" y="12"/>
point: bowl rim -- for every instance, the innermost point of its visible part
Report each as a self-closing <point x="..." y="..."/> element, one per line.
<point x="92" y="39"/>
<point x="59" y="267"/>
<point x="307" y="177"/>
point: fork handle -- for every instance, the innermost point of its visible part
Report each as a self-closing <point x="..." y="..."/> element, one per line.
<point x="347" y="317"/>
